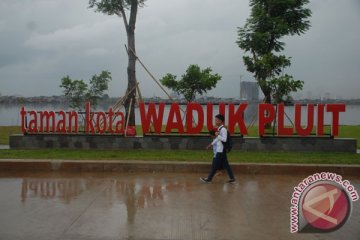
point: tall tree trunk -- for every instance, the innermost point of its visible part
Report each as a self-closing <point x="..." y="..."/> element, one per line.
<point x="131" y="69"/>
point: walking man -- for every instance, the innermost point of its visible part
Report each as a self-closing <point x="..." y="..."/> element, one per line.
<point x="221" y="156"/>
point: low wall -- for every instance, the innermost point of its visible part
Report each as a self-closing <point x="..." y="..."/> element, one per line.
<point x="300" y="144"/>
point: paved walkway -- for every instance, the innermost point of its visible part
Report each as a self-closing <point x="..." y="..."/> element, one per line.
<point x="111" y="206"/>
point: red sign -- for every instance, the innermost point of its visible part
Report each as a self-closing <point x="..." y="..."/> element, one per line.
<point x="62" y="122"/>
<point x="152" y="114"/>
<point x="267" y="114"/>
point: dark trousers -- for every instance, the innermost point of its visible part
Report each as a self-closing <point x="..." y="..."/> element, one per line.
<point x="220" y="162"/>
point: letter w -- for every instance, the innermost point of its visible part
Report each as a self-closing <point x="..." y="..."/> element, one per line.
<point x="151" y="116"/>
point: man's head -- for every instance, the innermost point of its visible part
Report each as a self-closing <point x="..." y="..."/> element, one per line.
<point x="219" y="119"/>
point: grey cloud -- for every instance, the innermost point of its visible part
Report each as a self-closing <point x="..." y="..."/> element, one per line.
<point x="44" y="40"/>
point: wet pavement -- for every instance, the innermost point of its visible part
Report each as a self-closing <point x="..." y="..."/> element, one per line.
<point x="152" y="206"/>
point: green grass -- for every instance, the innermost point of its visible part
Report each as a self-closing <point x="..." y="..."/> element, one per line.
<point x="6" y="131"/>
<point x="350" y="132"/>
<point x="186" y="156"/>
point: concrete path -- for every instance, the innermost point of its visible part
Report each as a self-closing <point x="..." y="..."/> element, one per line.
<point x="107" y="206"/>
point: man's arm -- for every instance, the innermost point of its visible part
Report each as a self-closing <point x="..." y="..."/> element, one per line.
<point x="222" y="135"/>
<point x="213" y="142"/>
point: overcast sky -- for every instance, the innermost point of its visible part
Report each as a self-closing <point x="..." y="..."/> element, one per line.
<point x="44" y="40"/>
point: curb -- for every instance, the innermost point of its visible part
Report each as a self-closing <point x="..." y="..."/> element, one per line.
<point x="169" y="166"/>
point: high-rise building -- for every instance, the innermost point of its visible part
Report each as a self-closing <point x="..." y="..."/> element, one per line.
<point x="327" y="96"/>
<point x="249" y="91"/>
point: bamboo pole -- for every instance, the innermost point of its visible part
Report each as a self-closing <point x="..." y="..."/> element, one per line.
<point x="152" y="76"/>
<point x="275" y="120"/>
<point x="128" y="117"/>
<point x="121" y="101"/>
<point x="138" y="91"/>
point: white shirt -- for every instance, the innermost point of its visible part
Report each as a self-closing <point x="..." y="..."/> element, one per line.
<point x="214" y="144"/>
<point x="222" y="137"/>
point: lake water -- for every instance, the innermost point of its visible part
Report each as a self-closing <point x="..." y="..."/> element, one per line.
<point x="10" y="115"/>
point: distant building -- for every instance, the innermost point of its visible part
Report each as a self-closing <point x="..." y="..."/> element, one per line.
<point x="249" y="91"/>
<point x="327" y="96"/>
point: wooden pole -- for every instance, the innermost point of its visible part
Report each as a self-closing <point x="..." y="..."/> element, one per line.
<point x="152" y="76"/>
<point x="128" y="117"/>
<point x="122" y="100"/>
<point x="287" y="116"/>
<point x="138" y="91"/>
<point x="275" y="120"/>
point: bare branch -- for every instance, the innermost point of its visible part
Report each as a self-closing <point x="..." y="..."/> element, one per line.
<point x="123" y="15"/>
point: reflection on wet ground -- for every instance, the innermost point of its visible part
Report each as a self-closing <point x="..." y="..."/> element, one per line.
<point x="151" y="206"/>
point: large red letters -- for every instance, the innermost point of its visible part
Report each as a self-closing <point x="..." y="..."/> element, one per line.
<point x="190" y="120"/>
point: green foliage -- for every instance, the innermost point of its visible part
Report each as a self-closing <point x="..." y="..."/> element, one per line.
<point x="271" y="20"/>
<point x="194" y="81"/>
<point x="114" y="7"/>
<point x="98" y="85"/>
<point x="75" y="91"/>
<point x="78" y="92"/>
<point x="282" y="86"/>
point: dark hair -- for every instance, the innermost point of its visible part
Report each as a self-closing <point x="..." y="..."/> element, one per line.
<point x="212" y="132"/>
<point x="220" y="117"/>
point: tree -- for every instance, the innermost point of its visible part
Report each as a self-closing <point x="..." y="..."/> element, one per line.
<point x="271" y="20"/>
<point x="119" y="8"/>
<point x="74" y="91"/>
<point x="194" y="81"/>
<point x="78" y="92"/>
<point x="98" y="85"/>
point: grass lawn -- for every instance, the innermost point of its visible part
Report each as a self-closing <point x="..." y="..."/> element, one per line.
<point x="6" y="131"/>
<point x="202" y="156"/>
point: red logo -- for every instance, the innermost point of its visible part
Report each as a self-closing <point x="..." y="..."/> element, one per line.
<point x="325" y="207"/>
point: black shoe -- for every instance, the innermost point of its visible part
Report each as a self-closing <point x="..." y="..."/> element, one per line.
<point x="231" y="181"/>
<point x="205" y="180"/>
